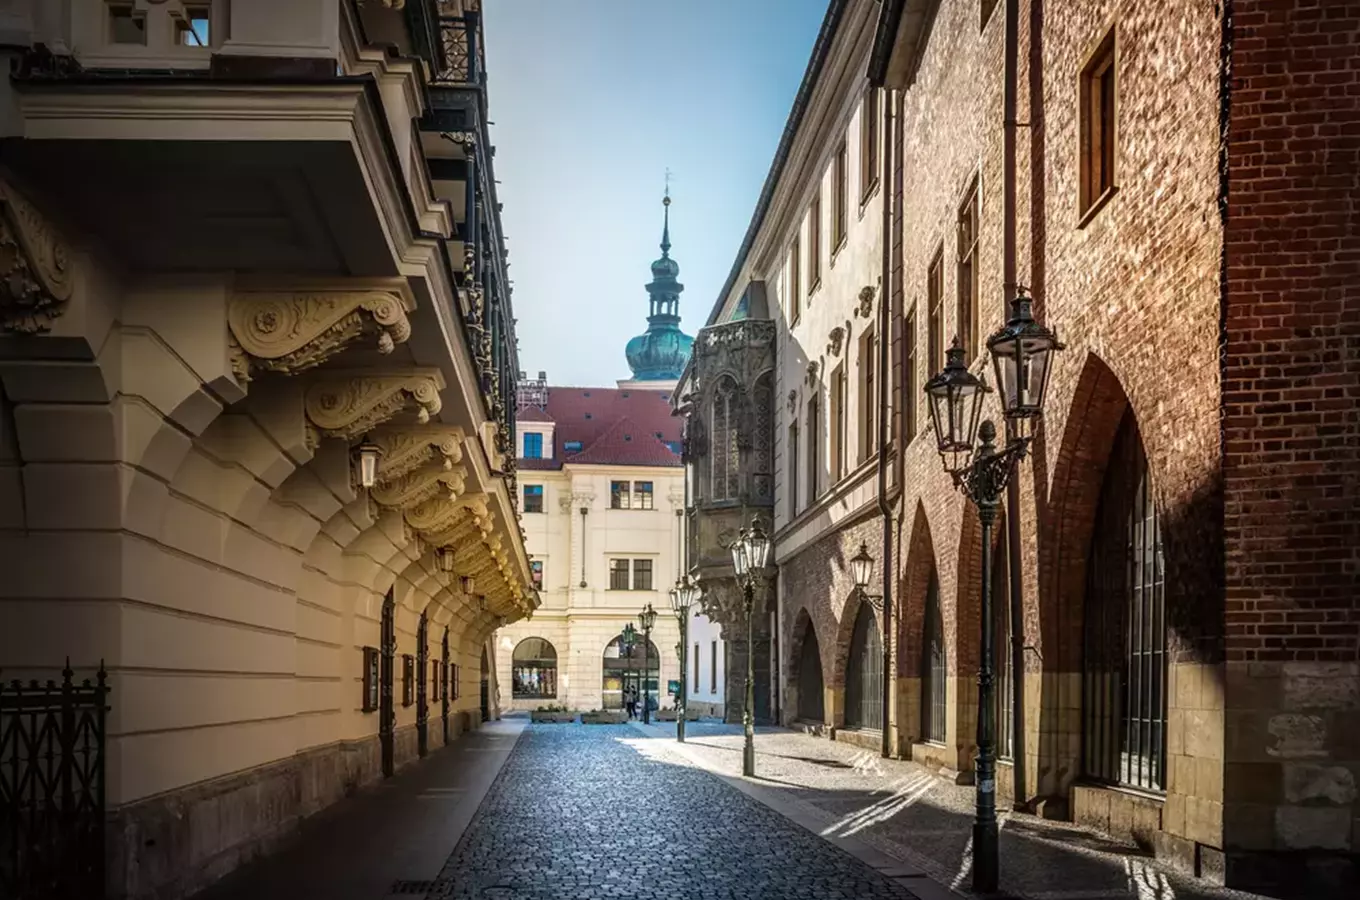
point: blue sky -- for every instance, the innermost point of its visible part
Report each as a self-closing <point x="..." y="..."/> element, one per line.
<point x="591" y="103"/>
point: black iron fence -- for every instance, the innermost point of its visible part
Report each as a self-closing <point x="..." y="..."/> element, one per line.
<point x="52" y="753"/>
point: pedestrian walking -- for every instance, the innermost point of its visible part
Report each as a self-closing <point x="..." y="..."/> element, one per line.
<point x="630" y="702"/>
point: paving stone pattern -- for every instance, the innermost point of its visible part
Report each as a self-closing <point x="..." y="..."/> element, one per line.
<point x="585" y="813"/>
<point x="901" y="810"/>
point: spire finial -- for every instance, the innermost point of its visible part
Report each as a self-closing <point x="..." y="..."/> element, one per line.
<point x="666" y="228"/>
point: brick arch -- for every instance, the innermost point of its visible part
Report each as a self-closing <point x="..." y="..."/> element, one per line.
<point x="1098" y="405"/>
<point x="920" y="566"/>
<point x="845" y="632"/>
<point x="803" y="628"/>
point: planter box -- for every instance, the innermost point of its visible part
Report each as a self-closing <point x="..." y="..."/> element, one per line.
<point x="604" y="718"/>
<point x="552" y="718"/>
<point x="670" y="715"/>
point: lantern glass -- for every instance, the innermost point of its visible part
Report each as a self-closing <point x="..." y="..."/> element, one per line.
<point x="757" y="546"/>
<point x="676" y="606"/>
<point x="647" y="618"/>
<point x="862" y="566"/>
<point x="955" y="402"/>
<point x="369" y="454"/>
<point x="446" y="559"/>
<point x="468" y="584"/>
<point x="690" y="590"/>
<point x="740" y="560"/>
<point x="1022" y="354"/>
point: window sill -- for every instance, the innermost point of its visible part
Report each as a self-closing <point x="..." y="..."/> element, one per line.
<point x="1096" y="206"/>
<point x="814" y="287"/>
<point x="868" y="197"/>
<point x="836" y="250"/>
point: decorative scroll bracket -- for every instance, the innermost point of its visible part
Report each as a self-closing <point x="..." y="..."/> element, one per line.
<point x="35" y="267"/>
<point x="347" y="407"/>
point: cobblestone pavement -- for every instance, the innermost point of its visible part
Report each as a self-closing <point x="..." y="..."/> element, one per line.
<point x="901" y="810"/>
<point x="584" y="812"/>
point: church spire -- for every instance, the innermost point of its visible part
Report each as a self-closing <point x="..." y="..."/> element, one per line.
<point x="661" y="353"/>
<point x="666" y="227"/>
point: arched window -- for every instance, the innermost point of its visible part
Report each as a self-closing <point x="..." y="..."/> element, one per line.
<point x="724" y="455"/>
<point x="625" y="668"/>
<point x="1124" y="624"/>
<point x="534" y="670"/>
<point x="864" y="674"/>
<point x="811" y="688"/>
<point x="934" y="669"/>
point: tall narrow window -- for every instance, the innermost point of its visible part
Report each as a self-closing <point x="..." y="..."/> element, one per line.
<point x="1124" y="620"/>
<point x="838" y="423"/>
<point x="713" y="669"/>
<point x="935" y="311"/>
<point x="533" y="445"/>
<point x="868" y="395"/>
<point x="815" y="241"/>
<point x="868" y="144"/>
<point x="864" y="674"/>
<point x="618" y="495"/>
<point x="533" y="498"/>
<point x="909" y="392"/>
<point x="618" y="574"/>
<point x="536" y="572"/>
<point x="795" y="283"/>
<point x="967" y="312"/>
<point x="696" y="668"/>
<point x="642" y="574"/>
<point x="1098" y="125"/>
<point x="724" y="453"/>
<point x="814" y="441"/>
<point x="934" y="669"/>
<point x="792" y="490"/>
<point x="642" y="495"/>
<point x="840" y="197"/>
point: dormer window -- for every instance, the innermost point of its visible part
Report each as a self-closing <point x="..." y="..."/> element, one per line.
<point x="533" y="445"/>
<point x="572" y="446"/>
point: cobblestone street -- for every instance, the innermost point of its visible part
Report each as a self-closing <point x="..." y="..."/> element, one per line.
<point x="582" y="812"/>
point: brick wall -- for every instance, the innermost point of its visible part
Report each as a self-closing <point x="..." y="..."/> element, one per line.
<point x="1291" y="431"/>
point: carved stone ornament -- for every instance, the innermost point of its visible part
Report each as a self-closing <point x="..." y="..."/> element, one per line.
<point x="866" y="302"/>
<point x="440" y="514"/>
<point x="812" y="370"/>
<point x="429" y="483"/>
<point x="406" y="449"/>
<point x="834" y="341"/>
<point x="293" y="331"/>
<point x="793" y="401"/>
<point x="347" y="407"/>
<point x="35" y="267"/>
<point x="464" y="139"/>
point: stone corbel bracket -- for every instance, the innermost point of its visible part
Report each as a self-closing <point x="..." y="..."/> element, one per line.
<point x="426" y="484"/>
<point x="36" y="277"/>
<point x="296" y="330"/>
<point x="438" y="515"/>
<point x="347" y="406"/>
<point x="834" y="341"/>
<point x="404" y="450"/>
<point x="866" y="301"/>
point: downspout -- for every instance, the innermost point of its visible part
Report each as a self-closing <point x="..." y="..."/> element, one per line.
<point x="1020" y="791"/>
<point x="884" y="323"/>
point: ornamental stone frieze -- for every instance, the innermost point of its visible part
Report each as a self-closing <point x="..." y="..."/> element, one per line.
<point x="36" y="277"/>
<point x="404" y="450"/>
<point x="349" y="406"/>
<point x="293" y="331"/>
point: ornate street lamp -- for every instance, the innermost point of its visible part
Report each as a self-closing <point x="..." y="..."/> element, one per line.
<point x="646" y="618"/>
<point x="368" y="453"/>
<point x="750" y="555"/>
<point x="683" y="596"/>
<point x="862" y="567"/>
<point x="1022" y="355"/>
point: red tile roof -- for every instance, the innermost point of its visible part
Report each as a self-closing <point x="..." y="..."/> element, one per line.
<point x="615" y="426"/>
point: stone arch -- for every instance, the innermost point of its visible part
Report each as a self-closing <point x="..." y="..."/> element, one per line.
<point x="918" y="571"/>
<point x="801" y="707"/>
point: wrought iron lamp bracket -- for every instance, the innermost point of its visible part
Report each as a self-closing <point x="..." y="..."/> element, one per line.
<point x="984" y="480"/>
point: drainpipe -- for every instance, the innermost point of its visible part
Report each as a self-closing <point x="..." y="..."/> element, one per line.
<point x="1009" y="125"/>
<point x="884" y="324"/>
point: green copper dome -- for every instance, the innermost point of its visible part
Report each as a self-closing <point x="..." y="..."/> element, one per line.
<point x="661" y="353"/>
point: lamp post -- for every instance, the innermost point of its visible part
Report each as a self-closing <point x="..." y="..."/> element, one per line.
<point x="683" y="595"/>
<point x="627" y="640"/>
<point x="646" y="618"/>
<point x="1022" y="354"/>
<point x="750" y="554"/>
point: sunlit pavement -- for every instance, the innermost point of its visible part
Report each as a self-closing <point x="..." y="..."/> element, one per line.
<point x="900" y="810"/>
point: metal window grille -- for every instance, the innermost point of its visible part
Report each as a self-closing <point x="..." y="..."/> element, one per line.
<point x="1005" y="697"/>
<point x="864" y="680"/>
<point x="934" y="669"/>
<point x="1124" y="670"/>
